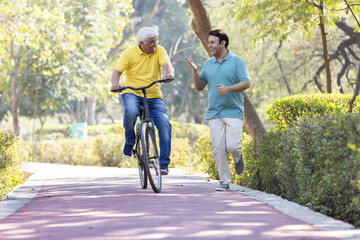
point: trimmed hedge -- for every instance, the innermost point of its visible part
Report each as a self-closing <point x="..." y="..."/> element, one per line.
<point x="206" y="162"/>
<point x="316" y="163"/>
<point x="105" y="144"/>
<point x="288" y="110"/>
<point x="101" y="150"/>
<point x="57" y="131"/>
<point x="191" y="131"/>
<point x="329" y="165"/>
<point x="10" y="164"/>
<point x="179" y="130"/>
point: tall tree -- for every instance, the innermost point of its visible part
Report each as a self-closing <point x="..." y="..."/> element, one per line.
<point x="282" y="19"/>
<point x="35" y="41"/>
<point x="101" y="23"/>
<point x="201" y="26"/>
<point x="357" y="85"/>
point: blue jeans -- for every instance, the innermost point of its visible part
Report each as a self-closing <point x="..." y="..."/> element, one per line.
<point x="158" y="113"/>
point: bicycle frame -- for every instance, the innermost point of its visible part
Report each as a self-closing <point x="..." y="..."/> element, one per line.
<point x="144" y="115"/>
<point x="145" y="136"/>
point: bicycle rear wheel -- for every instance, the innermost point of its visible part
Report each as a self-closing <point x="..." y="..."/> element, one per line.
<point x="141" y="166"/>
<point x="151" y="157"/>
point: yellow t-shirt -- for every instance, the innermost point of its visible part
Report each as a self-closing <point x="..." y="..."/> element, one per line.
<point x="141" y="69"/>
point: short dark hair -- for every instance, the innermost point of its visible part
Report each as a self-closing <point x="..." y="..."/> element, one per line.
<point x="221" y="35"/>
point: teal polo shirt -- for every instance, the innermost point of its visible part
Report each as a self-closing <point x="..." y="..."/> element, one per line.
<point x="230" y="71"/>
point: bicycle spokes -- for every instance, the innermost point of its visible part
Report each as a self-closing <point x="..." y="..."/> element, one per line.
<point x="151" y="160"/>
<point x="141" y="167"/>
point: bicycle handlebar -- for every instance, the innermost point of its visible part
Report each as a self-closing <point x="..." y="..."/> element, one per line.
<point x="140" y="88"/>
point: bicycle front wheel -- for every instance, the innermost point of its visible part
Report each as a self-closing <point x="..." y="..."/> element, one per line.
<point x="151" y="157"/>
<point x="141" y="166"/>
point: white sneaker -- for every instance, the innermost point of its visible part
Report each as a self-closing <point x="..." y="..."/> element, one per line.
<point x="223" y="187"/>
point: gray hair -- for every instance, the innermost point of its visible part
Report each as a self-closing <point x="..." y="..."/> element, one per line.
<point x="145" y="33"/>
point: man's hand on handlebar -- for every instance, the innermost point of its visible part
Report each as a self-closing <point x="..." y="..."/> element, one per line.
<point x="170" y="78"/>
<point x="115" y="86"/>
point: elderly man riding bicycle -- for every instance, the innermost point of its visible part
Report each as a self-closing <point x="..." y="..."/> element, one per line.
<point x="141" y="65"/>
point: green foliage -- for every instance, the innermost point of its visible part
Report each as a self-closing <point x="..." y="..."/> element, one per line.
<point x="56" y="51"/>
<point x="36" y="42"/>
<point x="10" y="164"/>
<point x="101" y="25"/>
<point x="56" y="131"/>
<point x="329" y="165"/>
<point x="270" y="163"/>
<point x="95" y="130"/>
<point x="282" y="19"/>
<point x="206" y="157"/>
<point x="62" y="151"/>
<point x="190" y="131"/>
<point x="103" y="148"/>
<point x="105" y="144"/>
<point x="182" y="154"/>
<point x="108" y="150"/>
<point x="288" y="110"/>
<point x="316" y="163"/>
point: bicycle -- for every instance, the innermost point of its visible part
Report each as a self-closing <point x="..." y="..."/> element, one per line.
<point x="145" y="148"/>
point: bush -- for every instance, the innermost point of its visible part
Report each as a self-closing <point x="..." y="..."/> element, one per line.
<point x="10" y="164"/>
<point x="183" y="155"/>
<point x="102" y="150"/>
<point x="96" y="130"/>
<point x="58" y="131"/>
<point x="105" y="144"/>
<point x="55" y="131"/>
<point x="62" y="151"/>
<point x="191" y="131"/>
<point x="108" y="151"/>
<point x="288" y="110"/>
<point x="205" y="156"/>
<point x="329" y="165"/>
<point x="316" y="163"/>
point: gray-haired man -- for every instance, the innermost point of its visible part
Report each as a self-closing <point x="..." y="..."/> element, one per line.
<point x="142" y="65"/>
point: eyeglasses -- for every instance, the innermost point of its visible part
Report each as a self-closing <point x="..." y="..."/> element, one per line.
<point x="153" y="42"/>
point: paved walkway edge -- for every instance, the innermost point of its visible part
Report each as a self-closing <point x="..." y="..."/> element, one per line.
<point x="24" y="194"/>
<point x="293" y="209"/>
<point x="302" y="213"/>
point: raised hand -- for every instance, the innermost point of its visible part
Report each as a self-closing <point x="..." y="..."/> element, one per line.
<point x="191" y="63"/>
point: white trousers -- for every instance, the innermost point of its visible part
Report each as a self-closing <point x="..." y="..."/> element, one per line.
<point x="226" y="134"/>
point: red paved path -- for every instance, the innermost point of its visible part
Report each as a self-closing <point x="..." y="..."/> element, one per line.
<point x="108" y="203"/>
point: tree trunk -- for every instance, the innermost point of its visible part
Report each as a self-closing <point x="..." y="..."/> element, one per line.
<point x="78" y="111"/>
<point x="201" y="22"/>
<point x="91" y="110"/>
<point x="15" y="96"/>
<point x="201" y="26"/>
<point x="252" y="121"/>
<point x="325" y="49"/>
<point x="15" y="105"/>
<point x="356" y="91"/>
